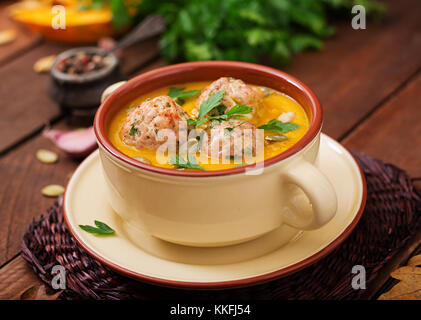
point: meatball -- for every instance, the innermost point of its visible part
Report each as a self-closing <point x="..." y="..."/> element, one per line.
<point x="234" y="130"/>
<point x="143" y="123"/>
<point x="236" y="92"/>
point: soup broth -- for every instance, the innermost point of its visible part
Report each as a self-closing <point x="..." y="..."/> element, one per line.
<point x="273" y="105"/>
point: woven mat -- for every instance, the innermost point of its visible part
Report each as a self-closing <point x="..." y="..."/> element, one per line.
<point x="391" y="217"/>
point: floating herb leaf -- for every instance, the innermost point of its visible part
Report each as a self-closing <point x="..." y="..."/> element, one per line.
<point x="235" y="112"/>
<point x="279" y="126"/>
<point x="179" y="95"/>
<point x="212" y="102"/>
<point x="238" y="110"/>
<point x="190" y="163"/>
<point x="101" y="228"/>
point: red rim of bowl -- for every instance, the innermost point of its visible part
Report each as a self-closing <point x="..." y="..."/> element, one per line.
<point x="230" y="283"/>
<point x="267" y="74"/>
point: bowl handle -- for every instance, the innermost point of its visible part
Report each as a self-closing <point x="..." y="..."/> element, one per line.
<point x="110" y="89"/>
<point x="318" y="190"/>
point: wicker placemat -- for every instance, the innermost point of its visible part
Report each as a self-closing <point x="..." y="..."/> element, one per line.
<point x="391" y="217"/>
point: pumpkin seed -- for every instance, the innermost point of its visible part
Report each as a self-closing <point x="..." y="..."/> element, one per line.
<point x="143" y="160"/>
<point x="46" y="156"/>
<point x="276" y="138"/>
<point x="53" y="190"/>
<point x="44" y="64"/>
<point x="7" y="36"/>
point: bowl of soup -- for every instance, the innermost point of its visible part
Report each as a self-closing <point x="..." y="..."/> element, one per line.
<point x="213" y="153"/>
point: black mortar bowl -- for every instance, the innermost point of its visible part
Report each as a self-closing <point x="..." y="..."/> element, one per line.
<point x="80" y="95"/>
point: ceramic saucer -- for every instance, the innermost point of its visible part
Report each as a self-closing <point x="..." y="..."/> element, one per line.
<point x="275" y="254"/>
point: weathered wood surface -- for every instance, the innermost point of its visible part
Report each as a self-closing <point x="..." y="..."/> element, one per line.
<point x="24" y="41"/>
<point x="25" y="106"/>
<point x="393" y="132"/>
<point x="20" y="196"/>
<point x="15" y="278"/>
<point x="358" y="69"/>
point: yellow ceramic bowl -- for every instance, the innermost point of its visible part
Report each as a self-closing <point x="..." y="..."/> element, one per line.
<point x="217" y="208"/>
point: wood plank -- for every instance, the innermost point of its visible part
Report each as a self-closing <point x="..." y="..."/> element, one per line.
<point x="26" y="107"/>
<point x="377" y="287"/>
<point x="20" y="197"/>
<point x="359" y="68"/>
<point x="137" y="56"/>
<point x="154" y="65"/>
<point x="25" y="38"/>
<point x="15" y="278"/>
<point x="393" y="132"/>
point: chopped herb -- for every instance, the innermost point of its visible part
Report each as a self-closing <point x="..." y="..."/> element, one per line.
<point x="197" y="123"/>
<point x="228" y="131"/>
<point x="235" y="112"/>
<point x="279" y="126"/>
<point x="101" y="228"/>
<point x="239" y="110"/>
<point x="147" y="99"/>
<point x="133" y="130"/>
<point x="191" y="122"/>
<point x="180" y="162"/>
<point x="179" y="95"/>
<point x="221" y="109"/>
<point x="212" y="102"/>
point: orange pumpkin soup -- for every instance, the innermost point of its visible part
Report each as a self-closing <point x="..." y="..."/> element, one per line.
<point x="228" y="103"/>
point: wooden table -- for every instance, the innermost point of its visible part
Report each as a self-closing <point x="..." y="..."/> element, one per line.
<point x="368" y="81"/>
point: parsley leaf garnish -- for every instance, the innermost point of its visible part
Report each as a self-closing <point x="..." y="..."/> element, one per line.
<point x="239" y="109"/>
<point x="133" y="130"/>
<point x="279" y="126"/>
<point x="212" y="102"/>
<point x="190" y="163"/>
<point x="179" y="95"/>
<point x="235" y="112"/>
<point x="101" y="228"/>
